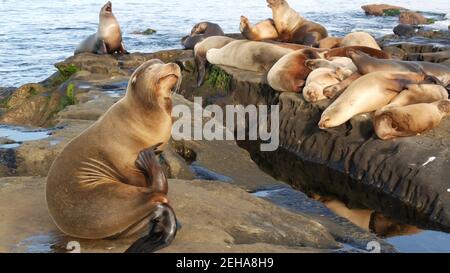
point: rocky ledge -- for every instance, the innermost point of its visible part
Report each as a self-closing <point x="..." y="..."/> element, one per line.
<point x="214" y="185"/>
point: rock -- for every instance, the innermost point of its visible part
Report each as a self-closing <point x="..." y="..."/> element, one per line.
<point x="33" y="105"/>
<point x="177" y="166"/>
<point x="381" y="9"/>
<point x="434" y="57"/>
<point x="412" y="18"/>
<point x="202" y="207"/>
<point x="148" y="31"/>
<point x="404" y="30"/>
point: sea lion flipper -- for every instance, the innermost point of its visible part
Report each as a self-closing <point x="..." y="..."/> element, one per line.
<point x="148" y="163"/>
<point x="163" y="229"/>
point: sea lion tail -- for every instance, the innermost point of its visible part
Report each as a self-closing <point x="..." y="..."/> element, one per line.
<point x="163" y="229"/>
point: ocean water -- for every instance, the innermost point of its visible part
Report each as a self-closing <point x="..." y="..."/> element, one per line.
<point x="35" y="34"/>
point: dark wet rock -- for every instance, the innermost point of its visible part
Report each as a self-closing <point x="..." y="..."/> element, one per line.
<point x="404" y="30"/>
<point x="382" y="9"/>
<point x="426" y="45"/>
<point x="412" y="18"/>
<point x="148" y="31"/>
<point x="434" y="57"/>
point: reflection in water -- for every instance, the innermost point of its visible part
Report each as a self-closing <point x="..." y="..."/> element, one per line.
<point x="369" y="220"/>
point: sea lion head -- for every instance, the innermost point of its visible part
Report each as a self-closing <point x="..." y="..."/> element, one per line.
<point x="154" y="82"/>
<point x="106" y="9"/>
<point x="275" y="3"/>
<point x="199" y="28"/>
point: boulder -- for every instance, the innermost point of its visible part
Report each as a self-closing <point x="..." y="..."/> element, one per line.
<point x="380" y="9"/>
<point x="412" y="18"/>
<point x="404" y="30"/>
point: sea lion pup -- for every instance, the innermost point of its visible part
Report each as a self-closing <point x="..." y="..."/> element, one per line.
<point x="289" y="73"/>
<point x="247" y="55"/>
<point x="293" y="28"/>
<point x="107" y="182"/>
<point x="330" y="42"/>
<point x="410" y="120"/>
<point x="317" y="80"/>
<point x="367" y="94"/>
<point x="367" y="64"/>
<point x="264" y="30"/>
<point x="359" y="38"/>
<point x="200" y="32"/>
<point x="108" y="38"/>
<point x="200" y="50"/>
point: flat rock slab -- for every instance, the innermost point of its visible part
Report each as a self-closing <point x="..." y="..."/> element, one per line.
<point x="215" y="217"/>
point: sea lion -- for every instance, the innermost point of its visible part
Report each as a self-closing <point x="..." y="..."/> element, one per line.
<point x="289" y="73"/>
<point x="200" y="32"/>
<point x="200" y="50"/>
<point x="333" y="63"/>
<point x="107" y="182"/>
<point x="264" y="30"/>
<point x="410" y="120"/>
<point x="367" y="94"/>
<point x="418" y="93"/>
<point x="247" y="55"/>
<point x="317" y="80"/>
<point x="344" y="52"/>
<point x="359" y="38"/>
<point x="330" y="42"/>
<point x="108" y="38"/>
<point x="293" y="28"/>
<point x="367" y="64"/>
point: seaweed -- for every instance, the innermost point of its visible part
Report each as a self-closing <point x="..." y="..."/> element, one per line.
<point x="219" y="79"/>
<point x="391" y="12"/>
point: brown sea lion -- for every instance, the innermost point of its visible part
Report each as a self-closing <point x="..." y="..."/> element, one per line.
<point x="359" y="38"/>
<point x="410" y="120"/>
<point x="330" y="42"/>
<point x="293" y="28"/>
<point x="367" y="64"/>
<point x="418" y="93"/>
<point x="367" y="94"/>
<point x="264" y="30"/>
<point x="289" y="73"/>
<point x="247" y="55"/>
<point x="200" y="32"/>
<point x="200" y="50"/>
<point x="333" y="63"/>
<point x="107" y="182"/>
<point x="344" y="52"/>
<point x="108" y="38"/>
